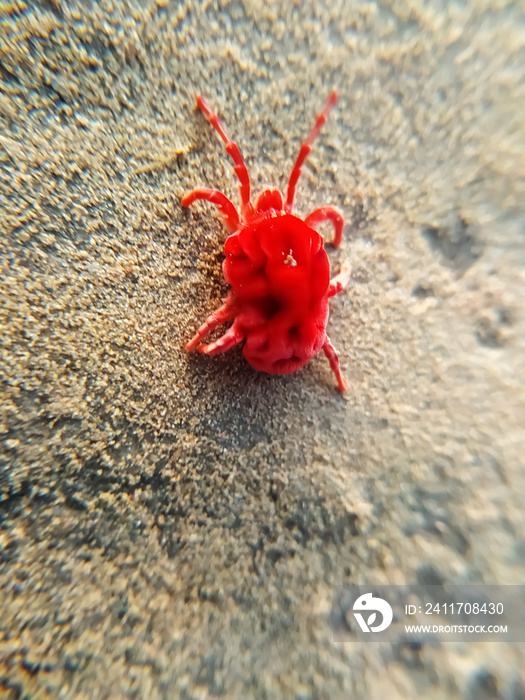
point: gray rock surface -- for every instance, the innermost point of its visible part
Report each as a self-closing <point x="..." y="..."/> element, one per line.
<point x="172" y="525"/>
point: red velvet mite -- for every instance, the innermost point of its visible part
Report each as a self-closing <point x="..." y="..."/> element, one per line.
<point x="277" y="268"/>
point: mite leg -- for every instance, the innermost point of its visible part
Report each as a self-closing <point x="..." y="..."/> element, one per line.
<point x="225" y="313"/>
<point x="305" y="150"/>
<point x="223" y="204"/>
<point x="328" y="214"/>
<point x="340" y="281"/>
<point x="232" y="337"/>
<point x="232" y="150"/>
<point x="331" y="354"/>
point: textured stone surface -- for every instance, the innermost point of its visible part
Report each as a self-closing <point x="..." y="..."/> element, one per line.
<point x="172" y="525"/>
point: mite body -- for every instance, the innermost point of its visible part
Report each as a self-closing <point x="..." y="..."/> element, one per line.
<point x="277" y="268"/>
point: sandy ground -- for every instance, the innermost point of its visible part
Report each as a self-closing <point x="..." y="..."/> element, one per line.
<point x="172" y="525"/>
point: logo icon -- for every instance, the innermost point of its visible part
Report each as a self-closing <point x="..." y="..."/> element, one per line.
<point x="367" y="603"/>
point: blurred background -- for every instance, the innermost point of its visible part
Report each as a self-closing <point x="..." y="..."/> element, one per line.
<point x="172" y="525"/>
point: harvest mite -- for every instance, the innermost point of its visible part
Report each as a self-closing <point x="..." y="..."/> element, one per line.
<point x="277" y="268"/>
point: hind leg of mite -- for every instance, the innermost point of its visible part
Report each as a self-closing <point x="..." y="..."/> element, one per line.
<point x="232" y="337"/>
<point x="340" y="281"/>
<point x="331" y="354"/>
<point x="225" y="313"/>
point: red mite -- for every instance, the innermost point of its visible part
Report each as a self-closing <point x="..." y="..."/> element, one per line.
<point x="277" y="267"/>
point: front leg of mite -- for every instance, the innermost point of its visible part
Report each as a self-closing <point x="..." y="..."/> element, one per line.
<point x="223" y="204"/>
<point x="328" y="214"/>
